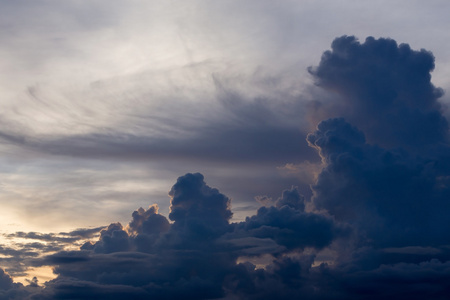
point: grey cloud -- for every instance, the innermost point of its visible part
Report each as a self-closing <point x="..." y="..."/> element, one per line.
<point x="13" y="291"/>
<point x="198" y="251"/>
<point x="5" y="281"/>
<point x="289" y="225"/>
<point x="388" y="186"/>
<point x="19" y="254"/>
<point x="198" y="210"/>
<point x="148" y="221"/>
<point x="255" y="245"/>
<point x="414" y="250"/>
<point x="390" y="195"/>
<point x="271" y="144"/>
<point x="112" y="239"/>
<point x="16" y="259"/>
<point x="385" y="89"/>
<point x="402" y="280"/>
<point x="83" y="232"/>
<point x="43" y="236"/>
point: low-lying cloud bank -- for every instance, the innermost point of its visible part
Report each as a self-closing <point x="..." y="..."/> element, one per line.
<point x="375" y="227"/>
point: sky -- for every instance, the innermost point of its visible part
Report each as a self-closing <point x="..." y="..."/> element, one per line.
<point x="224" y="149"/>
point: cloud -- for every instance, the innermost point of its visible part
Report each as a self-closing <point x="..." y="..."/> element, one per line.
<point x="384" y="176"/>
<point x="157" y="259"/>
<point x="401" y="280"/>
<point x="263" y="123"/>
<point x="287" y="224"/>
<point x="10" y="290"/>
<point x="20" y="252"/>
<point x="148" y="221"/>
<point x="388" y="184"/>
<point x="198" y="211"/>
<point x="42" y="236"/>
<point x="392" y="196"/>
<point x="83" y="232"/>
<point x="385" y="89"/>
<point x="5" y="281"/>
<point x="196" y="255"/>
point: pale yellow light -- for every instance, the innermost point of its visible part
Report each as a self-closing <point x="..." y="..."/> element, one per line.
<point x="42" y="274"/>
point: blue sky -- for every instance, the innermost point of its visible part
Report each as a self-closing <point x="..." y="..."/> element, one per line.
<point x="104" y="105"/>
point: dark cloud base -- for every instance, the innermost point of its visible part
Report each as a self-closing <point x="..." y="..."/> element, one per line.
<point x="376" y="225"/>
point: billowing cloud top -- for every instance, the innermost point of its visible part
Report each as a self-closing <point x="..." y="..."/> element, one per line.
<point x="385" y="89"/>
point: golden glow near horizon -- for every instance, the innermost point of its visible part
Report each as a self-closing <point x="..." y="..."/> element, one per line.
<point x="31" y="249"/>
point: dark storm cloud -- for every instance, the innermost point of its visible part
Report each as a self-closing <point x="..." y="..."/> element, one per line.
<point x="148" y="221"/>
<point x="392" y="187"/>
<point x="198" y="211"/>
<point x="195" y="257"/>
<point x="5" y="281"/>
<point x="385" y="89"/>
<point x="289" y="225"/>
<point x="394" y="197"/>
<point x="375" y="227"/>
<point x="10" y="290"/>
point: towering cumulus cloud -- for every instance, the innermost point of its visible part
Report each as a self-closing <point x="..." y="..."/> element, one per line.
<point x="375" y="227"/>
<point x="385" y="89"/>
<point x="390" y="181"/>
<point x="196" y="256"/>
